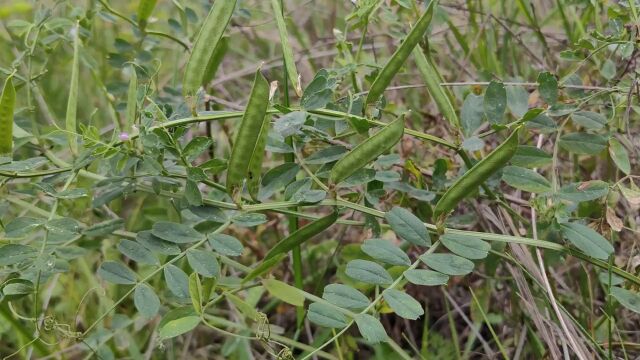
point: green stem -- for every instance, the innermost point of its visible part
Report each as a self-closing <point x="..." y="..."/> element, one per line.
<point x="146" y="278"/>
<point x="296" y="256"/>
<point x="18" y="327"/>
<point x="378" y="213"/>
<point x="276" y="337"/>
<point x="116" y="13"/>
<point x="373" y="303"/>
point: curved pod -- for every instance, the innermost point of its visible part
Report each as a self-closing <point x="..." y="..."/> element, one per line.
<point x="248" y="145"/>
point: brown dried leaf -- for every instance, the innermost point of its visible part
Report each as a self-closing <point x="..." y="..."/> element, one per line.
<point x="613" y="220"/>
<point x="632" y="196"/>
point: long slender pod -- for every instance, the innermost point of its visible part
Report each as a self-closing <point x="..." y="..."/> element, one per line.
<point x="247" y="141"/>
<point x="475" y="176"/>
<point x="255" y="162"/>
<point x="205" y="44"/>
<point x="216" y="59"/>
<point x="400" y="55"/>
<point x="301" y="235"/>
<point x="7" y="106"/>
<point x="145" y="8"/>
<point x="368" y="150"/>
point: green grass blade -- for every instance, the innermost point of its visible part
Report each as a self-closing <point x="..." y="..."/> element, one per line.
<point x="287" y="51"/>
<point x="72" y="101"/>
<point x="432" y="79"/>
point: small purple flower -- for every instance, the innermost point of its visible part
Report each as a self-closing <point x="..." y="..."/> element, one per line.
<point x="124" y="136"/>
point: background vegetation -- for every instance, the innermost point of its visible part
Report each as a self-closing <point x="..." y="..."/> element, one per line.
<point x="319" y="179"/>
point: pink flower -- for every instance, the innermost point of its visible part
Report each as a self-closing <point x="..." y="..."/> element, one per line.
<point x="124" y="136"/>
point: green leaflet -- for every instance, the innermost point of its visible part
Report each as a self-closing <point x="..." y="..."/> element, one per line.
<point x="368" y="272"/>
<point x="400" y="55"/>
<point x="403" y="304"/>
<point x="587" y="240"/>
<point x="195" y="292"/>
<point x="11" y="254"/>
<point x="448" y="264"/>
<point x="584" y="191"/>
<point x="7" y="105"/>
<point x="248" y="148"/>
<point x="146" y="300"/>
<point x="204" y="262"/>
<point x="145" y="8"/>
<point x="408" y="226"/>
<point x="345" y="297"/>
<point x="618" y="154"/>
<point x="287" y="51"/>
<point x="475" y="176"/>
<point x="426" y="277"/>
<point x="432" y="79"/>
<point x="116" y="273"/>
<point x="583" y="143"/>
<point x="495" y="102"/>
<point x="368" y="150"/>
<point x="72" y="101"/>
<point x="386" y="252"/>
<point x="301" y="235"/>
<point x="548" y="87"/>
<point x="204" y="46"/>
<point x="525" y="179"/>
<point x="326" y="316"/>
<point x="175" y="232"/>
<point x="627" y="298"/>
<point x="136" y="252"/>
<point x="284" y="292"/>
<point x="177" y="281"/>
<point x="469" y="247"/>
<point x="371" y="328"/>
<point x="177" y="322"/>
<point x="530" y="157"/>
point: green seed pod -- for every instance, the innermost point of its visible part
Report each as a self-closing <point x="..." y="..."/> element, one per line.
<point x="475" y="176"/>
<point x="205" y="44"/>
<point x="7" y="106"/>
<point x="248" y="144"/>
<point x="400" y="56"/>
<point x="301" y="235"/>
<point x="368" y="150"/>
<point x="145" y="8"/>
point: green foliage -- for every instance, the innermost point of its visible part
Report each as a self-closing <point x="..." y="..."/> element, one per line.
<point x="163" y="193"/>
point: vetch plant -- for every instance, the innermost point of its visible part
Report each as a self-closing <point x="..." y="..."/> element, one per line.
<point x="244" y="179"/>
